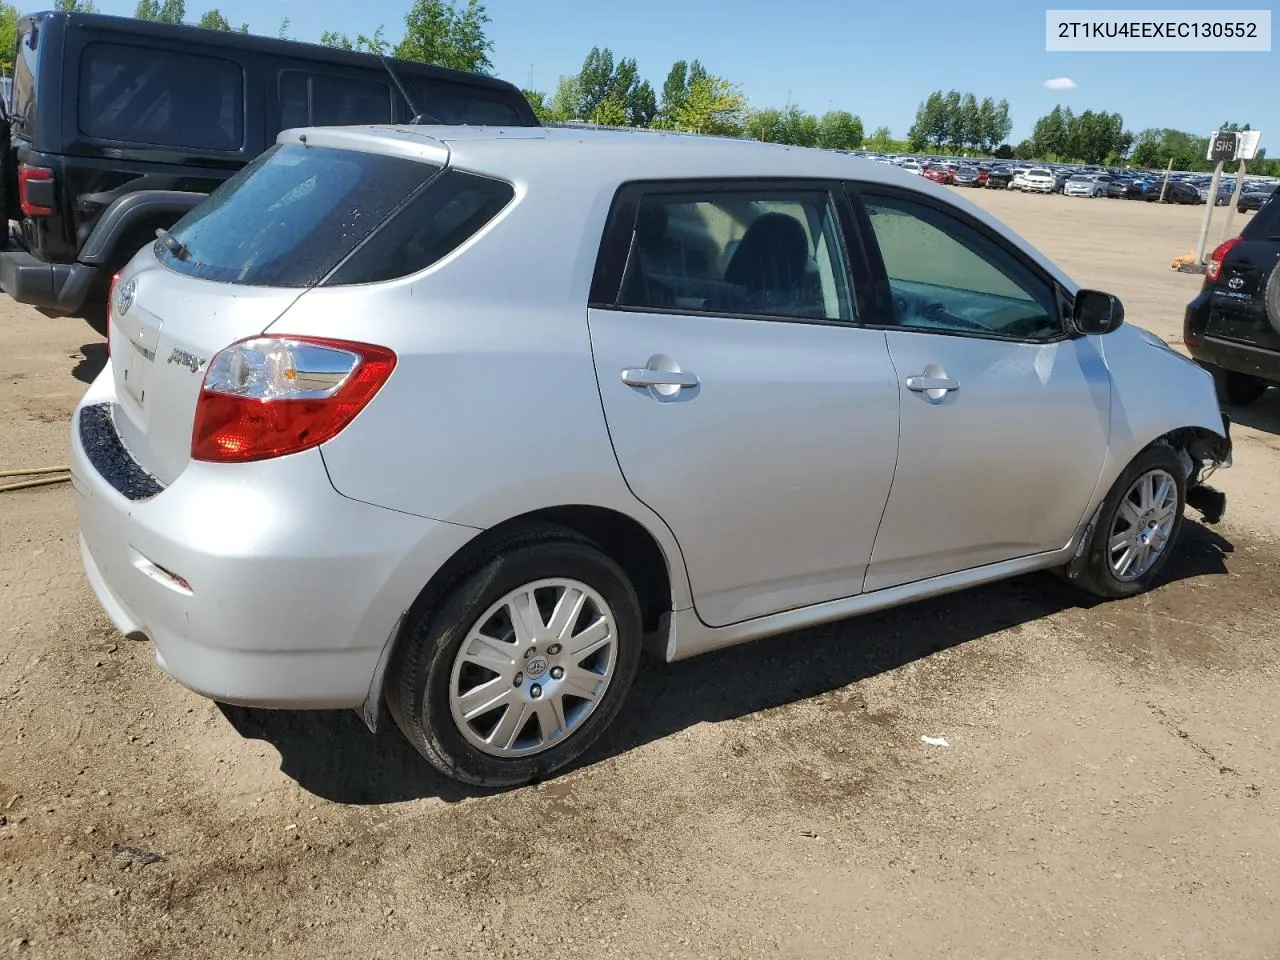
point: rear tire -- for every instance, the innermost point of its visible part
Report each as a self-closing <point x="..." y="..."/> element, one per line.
<point x="1137" y="527"/>
<point x="1237" y="389"/>
<point x="489" y="740"/>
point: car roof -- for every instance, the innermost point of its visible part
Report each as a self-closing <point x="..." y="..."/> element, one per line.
<point x="600" y="161"/>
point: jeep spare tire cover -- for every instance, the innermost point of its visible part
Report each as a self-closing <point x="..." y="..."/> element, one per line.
<point x="1271" y="297"/>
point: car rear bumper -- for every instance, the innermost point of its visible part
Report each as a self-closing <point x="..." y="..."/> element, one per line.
<point x="257" y="584"/>
<point x="1237" y="357"/>
<point x="60" y="289"/>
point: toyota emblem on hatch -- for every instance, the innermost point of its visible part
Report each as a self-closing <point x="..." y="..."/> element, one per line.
<point x="124" y="296"/>
<point x="1235" y="283"/>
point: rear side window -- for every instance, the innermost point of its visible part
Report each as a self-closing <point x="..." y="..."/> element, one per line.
<point x="145" y="95"/>
<point x="435" y="223"/>
<point x="323" y="100"/>
<point x="449" y="104"/>
<point x="292" y="215"/>
<point x="752" y="253"/>
<point x="1265" y="224"/>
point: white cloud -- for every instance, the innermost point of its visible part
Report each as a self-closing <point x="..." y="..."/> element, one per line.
<point x="1060" y="83"/>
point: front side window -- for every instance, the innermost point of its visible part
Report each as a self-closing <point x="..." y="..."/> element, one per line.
<point x="162" y="98"/>
<point x="746" y="253"/>
<point x="945" y="275"/>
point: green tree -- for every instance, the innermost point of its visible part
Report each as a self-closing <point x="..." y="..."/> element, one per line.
<point x="75" y="6"/>
<point x="1093" y="137"/>
<point x="168" y="11"/>
<point x="713" y="106"/>
<point x="538" y="101"/>
<point x="283" y="31"/>
<point x="932" y="123"/>
<point x="376" y="43"/>
<point x="799" y="128"/>
<point x="766" y="125"/>
<point x="968" y="127"/>
<point x="8" y="37"/>
<point x="214" y="20"/>
<point x="675" y="89"/>
<point x="1054" y="133"/>
<point x="446" y="35"/>
<point x="840" y="130"/>
<point x="611" y="112"/>
<point x="1025" y="150"/>
<point x="881" y="140"/>
<point x="565" y="101"/>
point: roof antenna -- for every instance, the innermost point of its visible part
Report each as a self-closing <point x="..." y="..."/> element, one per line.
<point x="417" y="116"/>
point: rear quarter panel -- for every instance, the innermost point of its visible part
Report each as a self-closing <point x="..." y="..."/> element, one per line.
<point x="493" y="410"/>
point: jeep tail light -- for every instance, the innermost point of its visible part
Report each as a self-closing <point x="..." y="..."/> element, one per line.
<point x="271" y="396"/>
<point x="1214" y="268"/>
<point x="35" y="190"/>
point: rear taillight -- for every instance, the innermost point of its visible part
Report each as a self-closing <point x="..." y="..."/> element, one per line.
<point x="1214" y="268"/>
<point x="111" y="299"/>
<point x="270" y="396"/>
<point x="35" y="190"/>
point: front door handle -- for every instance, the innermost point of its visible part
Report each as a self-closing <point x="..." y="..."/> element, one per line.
<point x="925" y="384"/>
<point x="648" y="377"/>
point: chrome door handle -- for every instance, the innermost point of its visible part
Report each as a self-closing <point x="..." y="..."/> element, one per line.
<point x="648" y="377"/>
<point x="921" y="384"/>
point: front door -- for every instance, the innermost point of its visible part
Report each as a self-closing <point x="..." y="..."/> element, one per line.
<point x="1004" y="418"/>
<point x="745" y="405"/>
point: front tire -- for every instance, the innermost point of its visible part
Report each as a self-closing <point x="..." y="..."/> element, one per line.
<point x="522" y="664"/>
<point x="1137" y="526"/>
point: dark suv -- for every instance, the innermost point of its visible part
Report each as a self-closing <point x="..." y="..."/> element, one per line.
<point x="1232" y="327"/>
<point x="118" y="126"/>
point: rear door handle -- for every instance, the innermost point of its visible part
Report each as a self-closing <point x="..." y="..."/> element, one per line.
<point x="648" y="377"/>
<point x="924" y="384"/>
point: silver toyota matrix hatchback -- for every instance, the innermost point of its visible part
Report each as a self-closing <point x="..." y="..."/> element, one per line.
<point x="455" y="421"/>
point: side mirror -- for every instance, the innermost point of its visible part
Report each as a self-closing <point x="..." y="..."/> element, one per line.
<point x="1096" y="312"/>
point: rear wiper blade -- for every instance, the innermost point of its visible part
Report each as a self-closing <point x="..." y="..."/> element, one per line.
<point x="172" y="244"/>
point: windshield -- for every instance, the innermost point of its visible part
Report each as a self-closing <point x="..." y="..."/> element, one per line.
<point x="292" y="215"/>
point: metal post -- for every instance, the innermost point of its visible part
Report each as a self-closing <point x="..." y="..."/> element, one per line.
<point x="1165" y="186"/>
<point x="1231" y="208"/>
<point x="1209" y="203"/>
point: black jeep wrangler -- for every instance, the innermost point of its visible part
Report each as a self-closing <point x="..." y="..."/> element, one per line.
<point x="116" y="127"/>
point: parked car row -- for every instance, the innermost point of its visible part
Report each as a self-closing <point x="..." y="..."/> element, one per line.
<point x="1083" y="180"/>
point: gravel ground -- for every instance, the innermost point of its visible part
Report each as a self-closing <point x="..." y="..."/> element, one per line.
<point x="1109" y="788"/>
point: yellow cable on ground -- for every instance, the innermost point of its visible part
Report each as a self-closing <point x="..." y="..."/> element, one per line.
<point x="37" y="481"/>
<point x="35" y="471"/>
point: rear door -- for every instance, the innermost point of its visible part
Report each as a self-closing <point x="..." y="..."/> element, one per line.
<point x="746" y="406"/>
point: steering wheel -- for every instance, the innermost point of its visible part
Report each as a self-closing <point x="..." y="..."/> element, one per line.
<point x="939" y="312"/>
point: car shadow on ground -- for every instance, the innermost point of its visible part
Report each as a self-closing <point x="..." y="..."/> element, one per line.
<point x="93" y="360"/>
<point x="332" y="755"/>
<point x="1263" y="414"/>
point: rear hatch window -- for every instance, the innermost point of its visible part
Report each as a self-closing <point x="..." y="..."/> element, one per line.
<point x="292" y="215"/>
<point x="301" y="216"/>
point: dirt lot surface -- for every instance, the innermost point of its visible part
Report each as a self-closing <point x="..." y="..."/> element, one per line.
<point x="1110" y="788"/>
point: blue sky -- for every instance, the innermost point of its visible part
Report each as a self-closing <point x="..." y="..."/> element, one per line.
<point x="877" y="59"/>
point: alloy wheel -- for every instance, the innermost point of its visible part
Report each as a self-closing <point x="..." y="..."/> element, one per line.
<point x="533" y="667"/>
<point x="1143" y="525"/>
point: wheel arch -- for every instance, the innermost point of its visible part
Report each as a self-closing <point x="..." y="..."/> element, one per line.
<point x="656" y="573"/>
